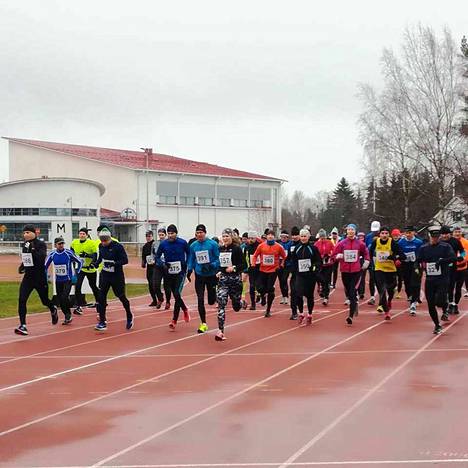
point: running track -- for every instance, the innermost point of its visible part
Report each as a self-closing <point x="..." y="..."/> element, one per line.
<point x="375" y="394"/>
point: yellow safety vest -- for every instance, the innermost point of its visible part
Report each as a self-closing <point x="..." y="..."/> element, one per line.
<point x="382" y="252"/>
<point x="89" y="247"/>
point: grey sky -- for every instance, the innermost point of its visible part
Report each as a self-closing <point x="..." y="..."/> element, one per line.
<point x="266" y="86"/>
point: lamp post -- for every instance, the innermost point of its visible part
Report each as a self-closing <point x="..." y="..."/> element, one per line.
<point x="148" y="153"/>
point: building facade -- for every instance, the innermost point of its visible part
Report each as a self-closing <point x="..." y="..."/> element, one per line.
<point x="150" y="190"/>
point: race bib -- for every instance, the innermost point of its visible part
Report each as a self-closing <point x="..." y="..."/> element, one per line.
<point x="27" y="259"/>
<point x="225" y="259"/>
<point x="350" y="256"/>
<point x="431" y="269"/>
<point x="202" y="256"/>
<point x="292" y="248"/>
<point x="61" y="270"/>
<point x="304" y="265"/>
<point x="108" y="265"/>
<point x="174" y="268"/>
<point x="149" y="260"/>
<point x="410" y="256"/>
<point x="268" y="259"/>
<point x="382" y="256"/>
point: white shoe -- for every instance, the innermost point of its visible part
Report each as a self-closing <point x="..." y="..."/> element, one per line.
<point x="412" y="309"/>
<point x="347" y="302"/>
<point x="282" y="300"/>
<point x="286" y="300"/>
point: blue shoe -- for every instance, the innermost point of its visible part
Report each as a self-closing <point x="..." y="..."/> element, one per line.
<point x="101" y="327"/>
<point x="129" y="325"/>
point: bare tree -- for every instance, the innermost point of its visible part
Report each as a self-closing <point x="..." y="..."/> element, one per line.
<point x="413" y="124"/>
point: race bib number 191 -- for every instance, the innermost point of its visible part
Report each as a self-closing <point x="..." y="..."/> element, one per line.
<point x="202" y="256"/>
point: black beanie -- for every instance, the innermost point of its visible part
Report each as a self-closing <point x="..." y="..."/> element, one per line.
<point x="201" y="227"/>
<point x="83" y="229"/>
<point x="30" y="228"/>
<point x="172" y="228"/>
<point x="295" y="231"/>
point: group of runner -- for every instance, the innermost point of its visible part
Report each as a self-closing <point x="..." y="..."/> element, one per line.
<point x="234" y="265"/>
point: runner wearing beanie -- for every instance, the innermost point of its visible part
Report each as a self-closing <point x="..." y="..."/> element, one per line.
<point x="33" y="255"/>
<point x="349" y="252"/>
<point x="158" y="274"/>
<point x="386" y="256"/>
<point x="204" y="259"/>
<point x="283" y="273"/>
<point x="410" y="245"/>
<point x="171" y="257"/>
<point x="396" y="236"/>
<point x="435" y="258"/>
<point x="306" y="259"/>
<point x="272" y="257"/>
<point x="232" y="264"/>
<point x="325" y="247"/>
<point x="335" y="238"/>
<point x="370" y="237"/>
<point x="64" y="261"/>
<point x="87" y="250"/>
<point x="147" y="261"/>
<point x="253" y="269"/>
<point x="457" y="269"/>
<point x="295" y="241"/>
<point x="113" y="257"/>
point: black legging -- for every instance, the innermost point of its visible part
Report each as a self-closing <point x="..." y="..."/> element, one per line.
<point x="63" y="295"/>
<point x="305" y="287"/>
<point x="325" y="278"/>
<point x="28" y="284"/>
<point x="292" y="288"/>
<point x="117" y="283"/>
<point x="202" y="282"/>
<point x="267" y="287"/>
<point x="92" y="280"/>
<point x="436" y="296"/>
<point x="386" y="282"/>
<point x="157" y="277"/>
<point x="283" y="274"/>
<point x="455" y="287"/>
<point x="411" y="280"/>
<point x="173" y="283"/>
<point x="253" y="284"/>
<point x="335" y="273"/>
<point x="350" y="283"/>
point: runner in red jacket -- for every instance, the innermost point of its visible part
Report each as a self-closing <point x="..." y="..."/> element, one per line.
<point x="325" y="247"/>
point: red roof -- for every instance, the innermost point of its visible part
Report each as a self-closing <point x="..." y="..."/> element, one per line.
<point x="137" y="160"/>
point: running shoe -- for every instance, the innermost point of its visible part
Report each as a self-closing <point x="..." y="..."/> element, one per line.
<point x="349" y="320"/>
<point x="301" y="319"/>
<point x="244" y="304"/>
<point x="371" y="301"/>
<point x="263" y="300"/>
<point x="309" y="320"/>
<point x="78" y="311"/>
<point x="445" y="317"/>
<point x="252" y="307"/>
<point x="293" y="316"/>
<point x="282" y="301"/>
<point x="380" y="309"/>
<point x="159" y="304"/>
<point x="361" y="297"/>
<point x="465" y="295"/>
<point x="130" y="323"/>
<point x="325" y="301"/>
<point x="168" y="305"/>
<point x="398" y="295"/>
<point x="203" y="328"/>
<point x="412" y="309"/>
<point x="220" y="336"/>
<point x="153" y="304"/>
<point x="437" y="330"/>
<point x="186" y="315"/>
<point x="54" y="315"/>
<point x="172" y="325"/>
<point x="21" y="330"/>
<point x="101" y="327"/>
<point x="455" y="310"/>
<point x="267" y="314"/>
<point x="450" y="308"/>
<point x="347" y="302"/>
<point x="286" y="300"/>
<point x="387" y="316"/>
<point x="67" y="320"/>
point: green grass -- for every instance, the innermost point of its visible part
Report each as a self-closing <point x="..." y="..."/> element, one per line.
<point x="9" y="297"/>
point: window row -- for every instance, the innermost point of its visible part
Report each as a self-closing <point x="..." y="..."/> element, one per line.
<point x="204" y="201"/>
<point x="48" y="212"/>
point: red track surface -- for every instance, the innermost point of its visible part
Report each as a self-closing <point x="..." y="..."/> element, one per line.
<point x="274" y="394"/>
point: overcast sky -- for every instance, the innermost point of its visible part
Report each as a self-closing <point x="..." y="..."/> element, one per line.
<point x="265" y="86"/>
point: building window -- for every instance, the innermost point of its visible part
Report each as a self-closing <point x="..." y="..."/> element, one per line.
<point x="168" y="199"/>
<point x="14" y="232"/>
<point x="187" y="200"/>
<point x="239" y="203"/>
<point x="64" y="212"/>
<point x="225" y="201"/>
<point x="205" y="201"/>
<point x="75" y="230"/>
<point x="457" y="215"/>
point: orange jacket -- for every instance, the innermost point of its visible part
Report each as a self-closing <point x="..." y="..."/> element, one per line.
<point x="271" y="257"/>
<point x="463" y="264"/>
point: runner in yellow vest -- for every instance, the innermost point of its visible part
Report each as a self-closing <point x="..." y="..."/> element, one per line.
<point x="386" y="256"/>
<point x="86" y="249"/>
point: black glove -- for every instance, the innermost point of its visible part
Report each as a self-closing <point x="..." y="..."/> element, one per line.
<point x="83" y="255"/>
<point x="21" y="269"/>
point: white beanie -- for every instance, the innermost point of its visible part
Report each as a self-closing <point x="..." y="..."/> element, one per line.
<point x="304" y="232"/>
<point x="375" y="226"/>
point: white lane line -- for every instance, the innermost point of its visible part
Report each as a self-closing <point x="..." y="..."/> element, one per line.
<point x="156" y="378"/>
<point x="236" y="395"/>
<point x="363" y="399"/>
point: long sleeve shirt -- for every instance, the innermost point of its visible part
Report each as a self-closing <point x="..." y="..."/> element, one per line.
<point x="231" y="256"/>
<point x="352" y="251"/>
<point x="306" y="259"/>
<point x="204" y="258"/>
<point x="271" y="257"/>
<point x="33" y="256"/>
<point x="63" y="261"/>
<point x="113" y="257"/>
<point x="173" y="254"/>
<point x="147" y="258"/>
<point x="435" y="260"/>
<point x="325" y="247"/>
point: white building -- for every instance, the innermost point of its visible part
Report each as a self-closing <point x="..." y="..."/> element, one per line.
<point x="149" y="190"/>
<point x="57" y="206"/>
<point x="455" y="213"/>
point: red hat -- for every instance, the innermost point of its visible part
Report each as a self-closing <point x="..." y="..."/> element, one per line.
<point x="396" y="232"/>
